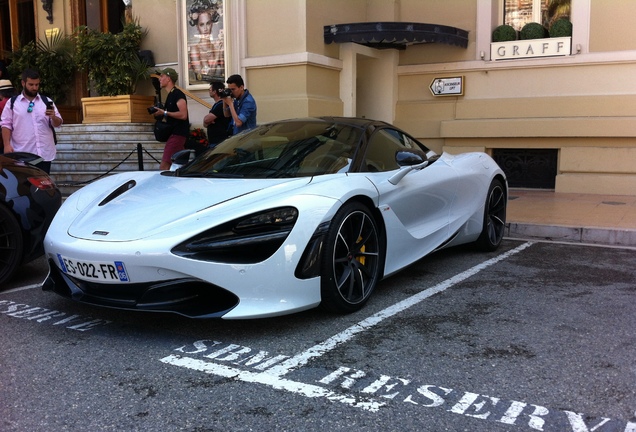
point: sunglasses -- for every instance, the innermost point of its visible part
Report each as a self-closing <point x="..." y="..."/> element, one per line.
<point x="30" y="108"/>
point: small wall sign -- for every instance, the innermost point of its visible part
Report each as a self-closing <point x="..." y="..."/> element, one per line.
<point x="453" y="86"/>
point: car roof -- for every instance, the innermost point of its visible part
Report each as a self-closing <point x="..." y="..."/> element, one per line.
<point x="357" y="122"/>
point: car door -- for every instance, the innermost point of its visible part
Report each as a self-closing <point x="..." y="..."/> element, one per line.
<point x="418" y="207"/>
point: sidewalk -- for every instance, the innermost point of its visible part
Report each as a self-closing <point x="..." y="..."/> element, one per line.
<point x="579" y="218"/>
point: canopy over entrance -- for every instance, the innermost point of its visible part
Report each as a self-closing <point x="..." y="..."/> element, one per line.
<point x="396" y="35"/>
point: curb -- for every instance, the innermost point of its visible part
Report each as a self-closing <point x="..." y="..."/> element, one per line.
<point x="590" y="235"/>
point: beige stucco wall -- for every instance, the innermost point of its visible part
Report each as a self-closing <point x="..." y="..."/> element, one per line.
<point x="162" y="26"/>
<point x="283" y="32"/>
<point x="611" y="22"/>
<point x="303" y="88"/>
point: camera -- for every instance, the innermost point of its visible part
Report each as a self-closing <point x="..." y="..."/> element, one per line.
<point x="153" y="109"/>
<point x="225" y="92"/>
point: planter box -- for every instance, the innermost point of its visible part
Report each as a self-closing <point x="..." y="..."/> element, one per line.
<point x="531" y="48"/>
<point x="117" y="109"/>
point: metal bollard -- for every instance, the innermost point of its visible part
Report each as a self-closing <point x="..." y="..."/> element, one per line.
<point x="140" y="157"/>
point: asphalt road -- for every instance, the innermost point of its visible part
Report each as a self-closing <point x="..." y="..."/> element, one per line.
<point x="533" y="337"/>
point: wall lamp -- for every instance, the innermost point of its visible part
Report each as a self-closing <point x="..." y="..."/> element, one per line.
<point x="47" y="5"/>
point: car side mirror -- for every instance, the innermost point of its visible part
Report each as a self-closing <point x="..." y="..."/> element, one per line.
<point x="409" y="158"/>
<point x="180" y="158"/>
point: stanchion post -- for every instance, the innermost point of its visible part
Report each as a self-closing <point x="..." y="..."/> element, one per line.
<point x="140" y="157"/>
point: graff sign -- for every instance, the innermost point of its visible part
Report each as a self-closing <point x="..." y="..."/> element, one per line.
<point x="530" y="48"/>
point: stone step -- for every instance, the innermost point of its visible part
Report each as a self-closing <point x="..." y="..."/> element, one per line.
<point x="106" y="127"/>
<point x="89" y="152"/>
<point x="101" y="137"/>
<point x="87" y="176"/>
<point x="71" y="168"/>
<point x="115" y="153"/>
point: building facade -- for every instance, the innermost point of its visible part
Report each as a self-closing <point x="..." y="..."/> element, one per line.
<point x="556" y="113"/>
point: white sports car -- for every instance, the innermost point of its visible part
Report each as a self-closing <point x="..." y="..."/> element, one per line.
<point x="286" y="217"/>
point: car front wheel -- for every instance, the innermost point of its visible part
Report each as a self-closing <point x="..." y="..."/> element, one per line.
<point x="10" y="244"/>
<point x="351" y="260"/>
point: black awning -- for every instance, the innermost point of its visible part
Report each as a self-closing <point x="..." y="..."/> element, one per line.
<point x="397" y="35"/>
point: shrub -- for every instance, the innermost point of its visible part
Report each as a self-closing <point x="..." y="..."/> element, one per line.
<point x="504" y="33"/>
<point x="112" y="60"/>
<point x="533" y="30"/>
<point x="53" y="59"/>
<point x="561" y="28"/>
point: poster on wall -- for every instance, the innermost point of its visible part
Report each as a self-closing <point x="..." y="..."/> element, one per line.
<point x="205" y="50"/>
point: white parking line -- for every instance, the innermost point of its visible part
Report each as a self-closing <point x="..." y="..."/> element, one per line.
<point x="307" y="390"/>
<point x="22" y="288"/>
<point x="318" y="350"/>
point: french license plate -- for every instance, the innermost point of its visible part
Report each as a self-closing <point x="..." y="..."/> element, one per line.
<point x="114" y="271"/>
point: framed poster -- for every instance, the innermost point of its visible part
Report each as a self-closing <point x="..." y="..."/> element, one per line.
<point x="205" y="42"/>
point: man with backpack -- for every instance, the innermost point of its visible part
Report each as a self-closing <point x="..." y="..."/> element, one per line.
<point x="28" y="120"/>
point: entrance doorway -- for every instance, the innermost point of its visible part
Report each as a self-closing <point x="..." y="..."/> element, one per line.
<point x="17" y="31"/>
<point x="368" y="82"/>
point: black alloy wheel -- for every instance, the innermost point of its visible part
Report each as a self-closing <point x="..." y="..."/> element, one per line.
<point x="10" y="244"/>
<point x="351" y="261"/>
<point x="494" y="218"/>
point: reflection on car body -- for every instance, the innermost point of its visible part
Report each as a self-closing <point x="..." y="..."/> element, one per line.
<point x="28" y="202"/>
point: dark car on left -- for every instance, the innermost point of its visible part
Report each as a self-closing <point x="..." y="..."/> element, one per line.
<point x="29" y="199"/>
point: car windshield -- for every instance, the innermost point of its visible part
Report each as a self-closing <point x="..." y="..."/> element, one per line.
<point x="280" y="150"/>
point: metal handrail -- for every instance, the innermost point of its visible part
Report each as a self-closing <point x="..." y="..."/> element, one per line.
<point x="189" y="94"/>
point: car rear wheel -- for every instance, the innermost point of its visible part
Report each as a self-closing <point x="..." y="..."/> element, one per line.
<point x="10" y="244"/>
<point x="494" y="217"/>
<point x="351" y="260"/>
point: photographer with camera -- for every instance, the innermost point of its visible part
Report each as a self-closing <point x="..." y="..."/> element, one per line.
<point x="215" y="121"/>
<point x="241" y="110"/>
<point x="175" y="113"/>
<point x="28" y="120"/>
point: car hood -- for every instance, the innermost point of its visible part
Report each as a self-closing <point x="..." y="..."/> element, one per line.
<point x="138" y="207"/>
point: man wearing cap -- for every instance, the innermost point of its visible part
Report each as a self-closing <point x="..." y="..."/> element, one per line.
<point x="175" y="112"/>
<point x="6" y="92"/>
<point x="28" y="122"/>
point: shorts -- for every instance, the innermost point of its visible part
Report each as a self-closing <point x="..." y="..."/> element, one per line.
<point x="174" y="144"/>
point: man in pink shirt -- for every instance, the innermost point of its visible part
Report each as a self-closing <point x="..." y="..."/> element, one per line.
<point x="28" y="122"/>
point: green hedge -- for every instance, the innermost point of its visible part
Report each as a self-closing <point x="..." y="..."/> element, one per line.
<point x="561" y="28"/>
<point x="504" y="33"/>
<point x="533" y="30"/>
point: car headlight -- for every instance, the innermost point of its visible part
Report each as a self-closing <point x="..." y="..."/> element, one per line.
<point x="246" y="240"/>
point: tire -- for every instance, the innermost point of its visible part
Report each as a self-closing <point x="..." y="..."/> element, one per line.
<point x="494" y="218"/>
<point x="352" y="259"/>
<point x="10" y="244"/>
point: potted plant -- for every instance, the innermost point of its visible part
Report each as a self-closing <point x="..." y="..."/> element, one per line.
<point x="504" y="33"/>
<point x="561" y="28"/>
<point x="113" y="66"/>
<point x="533" y="30"/>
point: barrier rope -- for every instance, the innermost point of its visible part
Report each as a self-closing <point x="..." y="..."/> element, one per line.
<point x="81" y="183"/>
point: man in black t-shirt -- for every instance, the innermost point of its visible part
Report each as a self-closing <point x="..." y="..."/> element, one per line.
<point x="215" y="121"/>
<point x="175" y="112"/>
